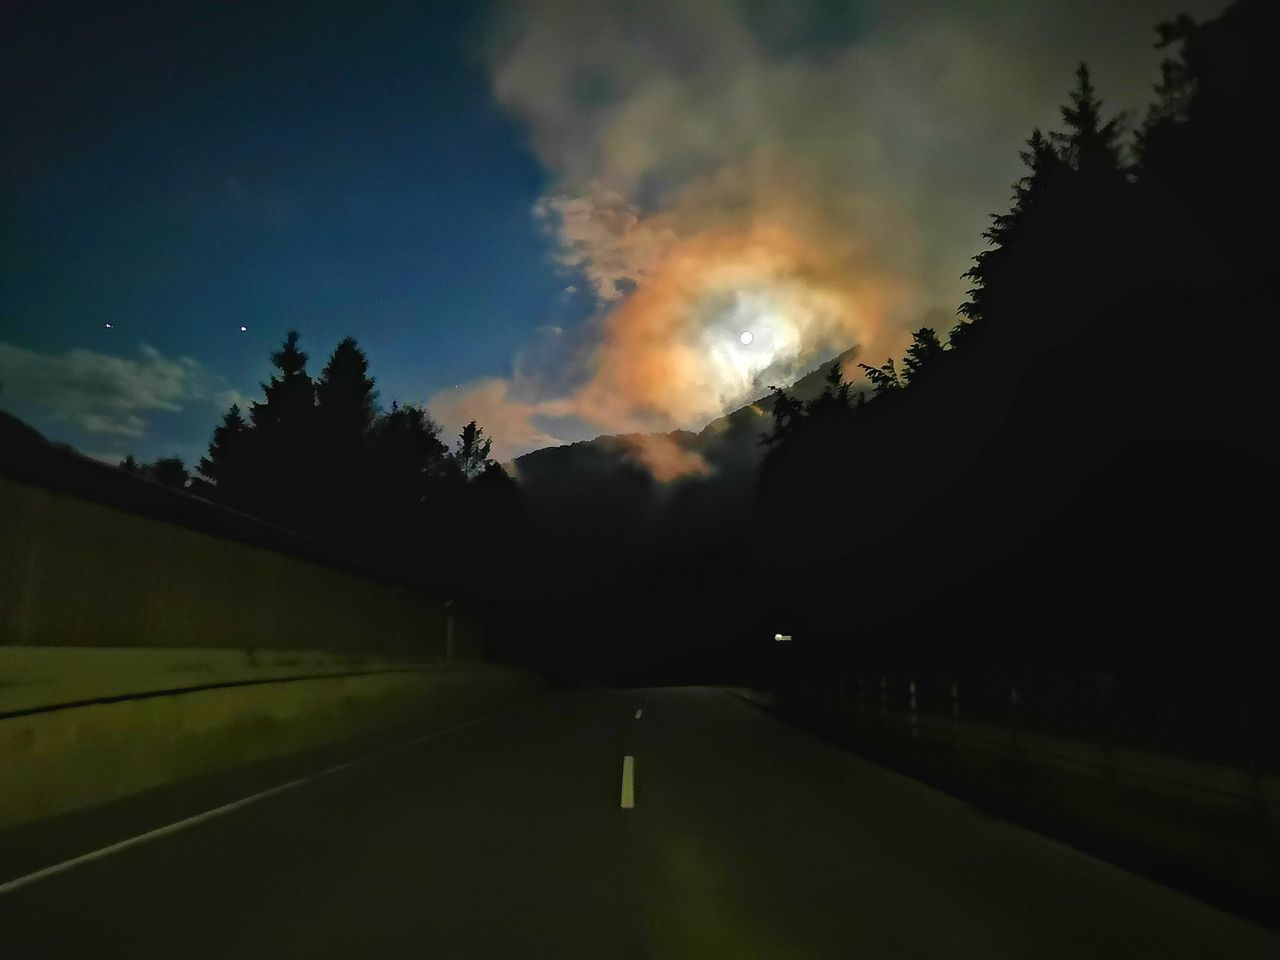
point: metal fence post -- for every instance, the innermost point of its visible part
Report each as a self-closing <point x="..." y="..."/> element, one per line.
<point x="911" y="691"/>
<point x="1013" y="715"/>
<point x="955" y="711"/>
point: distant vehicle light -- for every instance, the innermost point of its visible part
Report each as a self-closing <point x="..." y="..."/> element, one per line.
<point x="782" y="637"/>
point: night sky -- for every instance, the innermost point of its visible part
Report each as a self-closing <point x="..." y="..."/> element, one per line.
<point x="559" y="218"/>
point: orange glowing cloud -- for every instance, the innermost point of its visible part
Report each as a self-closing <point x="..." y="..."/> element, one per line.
<point x="507" y="420"/>
<point x="664" y="458"/>
<point x="743" y="209"/>
<point x="729" y="310"/>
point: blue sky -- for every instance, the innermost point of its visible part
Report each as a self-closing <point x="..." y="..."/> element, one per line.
<point x="342" y="171"/>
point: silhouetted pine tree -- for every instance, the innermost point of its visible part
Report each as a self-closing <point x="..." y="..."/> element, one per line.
<point x="791" y="416"/>
<point x="472" y="454"/>
<point x="1177" y="87"/>
<point x="788" y="414"/>
<point x="834" y="399"/>
<point x="1089" y="145"/>
<point x="343" y="416"/>
<point x="408" y="461"/>
<point x="227" y="463"/>
<point x="290" y="395"/>
<point x="282" y="449"/>
<point x="925" y="348"/>
<point x="1057" y="256"/>
<point x="1008" y="232"/>
<point x="345" y="395"/>
<point x="884" y="378"/>
<point x="1205" y="181"/>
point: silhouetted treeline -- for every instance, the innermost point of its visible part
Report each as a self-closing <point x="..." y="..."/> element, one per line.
<point x="170" y="471"/>
<point x="1084" y="464"/>
<point x="318" y="456"/>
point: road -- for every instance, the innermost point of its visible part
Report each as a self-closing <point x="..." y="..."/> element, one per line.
<point x="509" y="838"/>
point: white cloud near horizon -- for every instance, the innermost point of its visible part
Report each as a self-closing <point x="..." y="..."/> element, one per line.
<point x="102" y="395"/>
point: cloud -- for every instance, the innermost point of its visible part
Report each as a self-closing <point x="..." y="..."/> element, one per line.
<point x="225" y="399"/>
<point x="664" y="458"/>
<point x="604" y="238"/>
<point x="102" y="395"/>
<point x="507" y="419"/>
<point x="821" y="181"/>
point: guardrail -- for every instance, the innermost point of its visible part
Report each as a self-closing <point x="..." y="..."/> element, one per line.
<point x="1213" y="707"/>
<point x="1155" y="770"/>
<point x="1213" y="828"/>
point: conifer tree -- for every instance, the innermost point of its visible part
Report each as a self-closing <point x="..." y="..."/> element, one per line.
<point x="345" y="395"/>
<point x="788" y="415"/>
<point x="290" y="395"/>
<point x="925" y="348"/>
<point x="884" y="378"/>
<point x="408" y="460"/>
<point x="1089" y="145"/>
<point x="282" y="448"/>
<point x="1032" y="205"/>
<point x="226" y="463"/>
<point x="472" y="455"/>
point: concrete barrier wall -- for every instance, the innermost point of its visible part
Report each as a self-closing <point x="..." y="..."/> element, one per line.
<point x="157" y="637"/>
<point x="56" y="758"/>
<point x="78" y="573"/>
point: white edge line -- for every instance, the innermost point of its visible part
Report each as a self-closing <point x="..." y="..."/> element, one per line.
<point x="57" y="868"/>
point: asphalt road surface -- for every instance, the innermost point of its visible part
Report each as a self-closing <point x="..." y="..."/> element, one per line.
<point x="512" y="838"/>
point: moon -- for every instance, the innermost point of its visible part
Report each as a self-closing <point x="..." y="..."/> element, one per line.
<point x="746" y="337"/>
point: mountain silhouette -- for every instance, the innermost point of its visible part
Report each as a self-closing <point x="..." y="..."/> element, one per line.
<point x="727" y="443"/>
